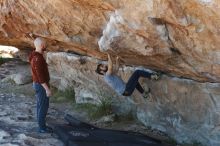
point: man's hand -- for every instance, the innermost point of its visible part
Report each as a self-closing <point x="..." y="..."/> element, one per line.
<point x="48" y="92"/>
<point x="117" y="57"/>
<point x="47" y="89"/>
<point x="117" y="64"/>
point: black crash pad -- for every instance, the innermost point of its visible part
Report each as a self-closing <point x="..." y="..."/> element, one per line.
<point x="78" y="133"/>
<point x="77" y="123"/>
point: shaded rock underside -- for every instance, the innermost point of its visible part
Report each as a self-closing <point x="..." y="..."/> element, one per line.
<point x="179" y="37"/>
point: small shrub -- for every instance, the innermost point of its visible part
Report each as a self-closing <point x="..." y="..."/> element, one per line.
<point x="86" y="107"/>
<point x="104" y="108"/>
<point x="63" y="96"/>
<point x="2" y="60"/>
<point x="171" y="141"/>
<point x="94" y="111"/>
<point x="194" y="143"/>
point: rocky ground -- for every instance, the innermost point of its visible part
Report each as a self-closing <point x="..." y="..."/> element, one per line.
<point x="17" y="114"/>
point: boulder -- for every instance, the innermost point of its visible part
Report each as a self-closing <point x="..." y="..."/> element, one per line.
<point x="21" y="78"/>
<point x="186" y="110"/>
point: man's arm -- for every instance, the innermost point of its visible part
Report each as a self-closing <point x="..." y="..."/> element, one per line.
<point x="48" y="91"/>
<point x="117" y="64"/>
<point x="110" y="66"/>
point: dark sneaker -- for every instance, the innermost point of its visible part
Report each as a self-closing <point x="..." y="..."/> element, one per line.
<point x="47" y="130"/>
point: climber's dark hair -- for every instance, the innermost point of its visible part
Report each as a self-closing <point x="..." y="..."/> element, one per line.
<point x="98" y="69"/>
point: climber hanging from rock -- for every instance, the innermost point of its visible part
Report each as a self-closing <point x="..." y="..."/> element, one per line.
<point x="115" y="81"/>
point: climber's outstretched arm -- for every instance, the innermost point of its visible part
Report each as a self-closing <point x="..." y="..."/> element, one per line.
<point x="110" y="65"/>
<point x="117" y="64"/>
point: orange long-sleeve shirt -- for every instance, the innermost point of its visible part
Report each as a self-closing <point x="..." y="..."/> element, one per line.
<point x="39" y="69"/>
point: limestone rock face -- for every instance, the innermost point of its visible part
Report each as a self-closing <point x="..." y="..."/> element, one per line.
<point x="179" y="37"/>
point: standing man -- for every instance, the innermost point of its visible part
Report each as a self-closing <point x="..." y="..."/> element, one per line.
<point x="41" y="78"/>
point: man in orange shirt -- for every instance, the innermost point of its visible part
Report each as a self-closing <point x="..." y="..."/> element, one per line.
<point x="41" y="78"/>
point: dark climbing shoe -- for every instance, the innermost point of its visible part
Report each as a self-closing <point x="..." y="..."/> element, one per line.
<point x="155" y="76"/>
<point x="146" y="94"/>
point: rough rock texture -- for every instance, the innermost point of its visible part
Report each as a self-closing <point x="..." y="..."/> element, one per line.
<point x="176" y="36"/>
<point x="18" y="124"/>
<point x="180" y="37"/>
<point x="67" y="25"/>
<point x="21" y="78"/>
<point x="69" y="70"/>
<point x="186" y="110"/>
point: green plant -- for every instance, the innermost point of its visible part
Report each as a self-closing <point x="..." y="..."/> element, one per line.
<point x="89" y="108"/>
<point x="95" y="111"/>
<point x="171" y="141"/>
<point x="104" y="108"/>
<point x="2" y="60"/>
<point x="196" y="143"/>
<point x="63" y="96"/>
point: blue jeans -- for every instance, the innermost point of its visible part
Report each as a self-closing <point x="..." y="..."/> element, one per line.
<point x="42" y="105"/>
<point x="133" y="82"/>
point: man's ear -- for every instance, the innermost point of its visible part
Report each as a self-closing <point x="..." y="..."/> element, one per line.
<point x="42" y="46"/>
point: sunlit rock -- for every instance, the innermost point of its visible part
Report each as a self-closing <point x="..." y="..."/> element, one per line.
<point x="178" y="37"/>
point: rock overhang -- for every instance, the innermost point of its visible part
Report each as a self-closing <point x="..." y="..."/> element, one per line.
<point x="176" y="37"/>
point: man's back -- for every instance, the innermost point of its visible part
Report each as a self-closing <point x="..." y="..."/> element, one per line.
<point x="39" y="68"/>
<point x="115" y="82"/>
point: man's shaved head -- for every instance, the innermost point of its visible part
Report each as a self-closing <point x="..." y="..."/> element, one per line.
<point x="39" y="43"/>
